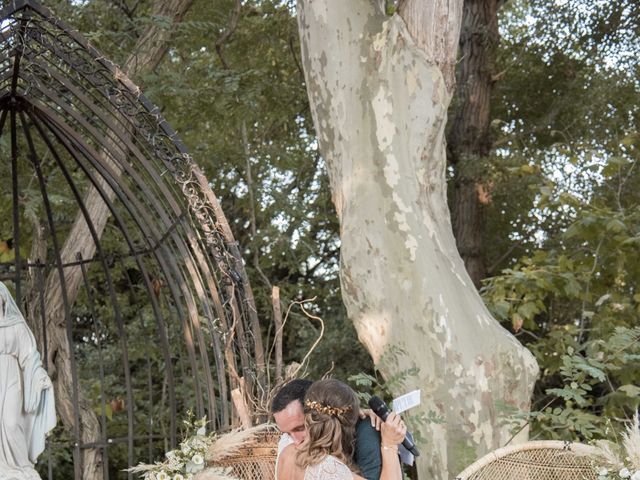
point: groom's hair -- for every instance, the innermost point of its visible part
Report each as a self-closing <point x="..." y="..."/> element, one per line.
<point x="289" y="392"/>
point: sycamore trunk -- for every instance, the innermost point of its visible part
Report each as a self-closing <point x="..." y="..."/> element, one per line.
<point x="379" y="88"/>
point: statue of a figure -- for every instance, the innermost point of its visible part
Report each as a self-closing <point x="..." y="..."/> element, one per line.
<point x="27" y="408"/>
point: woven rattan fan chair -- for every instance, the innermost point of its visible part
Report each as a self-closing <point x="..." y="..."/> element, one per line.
<point x="256" y="461"/>
<point x="540" y="460"/>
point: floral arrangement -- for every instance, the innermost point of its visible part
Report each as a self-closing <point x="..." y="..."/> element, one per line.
<point x="621" y="462"/>
<point x="624" y="473"/>
<point x="197" y="451"/>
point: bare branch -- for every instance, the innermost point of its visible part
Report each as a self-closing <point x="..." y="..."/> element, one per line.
<point x="153" y="43"/>
<point x="504" y="256"/>
<point x="233" y="24"/>
<point x="277" y="318"/>
<point x="292" y="49"/>
<point x="320" y="335"/>
<point x="252" y="203"/>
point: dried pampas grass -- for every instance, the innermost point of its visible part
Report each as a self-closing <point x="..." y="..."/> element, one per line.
<point x="624" y="455"/>
<point x="214" y="473"/>
<point x="230" y="443"/>
<point x="606" y="451"/>
<point x="144" y="467"/>
<point x="211" y="449"/>
<point x="631" y="443"/>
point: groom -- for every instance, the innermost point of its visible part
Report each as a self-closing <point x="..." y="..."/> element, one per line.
<point x="288" y="414"/>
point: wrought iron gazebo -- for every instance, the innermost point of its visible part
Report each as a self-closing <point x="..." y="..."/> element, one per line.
<point x="118" y="254"/>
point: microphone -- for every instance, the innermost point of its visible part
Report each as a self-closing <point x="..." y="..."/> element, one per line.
<point x="380" y="409"/>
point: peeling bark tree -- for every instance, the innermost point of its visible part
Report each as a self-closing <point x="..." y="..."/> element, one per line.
<point x="379" y="89"/>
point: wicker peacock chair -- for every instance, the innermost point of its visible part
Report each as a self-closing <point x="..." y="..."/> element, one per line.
<point x="538" y="460"/>
<point x="257" y="460"/>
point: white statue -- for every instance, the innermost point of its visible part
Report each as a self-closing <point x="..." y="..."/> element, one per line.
<point x="27" y="408"/>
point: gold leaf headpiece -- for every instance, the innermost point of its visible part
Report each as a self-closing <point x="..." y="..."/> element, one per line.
<point x="327" y="409"/>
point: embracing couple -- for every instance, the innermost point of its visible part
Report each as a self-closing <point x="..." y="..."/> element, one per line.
<point x="326" y="438"/>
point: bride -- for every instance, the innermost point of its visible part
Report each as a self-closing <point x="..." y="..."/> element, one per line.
<point x="330" y="414"/>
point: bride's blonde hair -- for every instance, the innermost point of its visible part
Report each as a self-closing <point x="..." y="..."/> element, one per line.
<point x="330" y="416"/>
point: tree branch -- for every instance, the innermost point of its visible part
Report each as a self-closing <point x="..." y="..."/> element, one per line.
<point x="153" y="43"/>
<point x="233" y="24"/>
<point x="292" y="49"/>
<point x="252" y="204"/>
<point x="495" y="264"/>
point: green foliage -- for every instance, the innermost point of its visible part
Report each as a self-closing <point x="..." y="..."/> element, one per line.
<point x="563" y="224"/>
<point x="366" y="385"/>
<point x="564" y="100"/>
<point x="574" y="303"/>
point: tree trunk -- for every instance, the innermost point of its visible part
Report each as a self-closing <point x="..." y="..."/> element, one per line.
<point x="379" y="89"/>
<point x="469" y="142"/>
<point x="145" y="57"/>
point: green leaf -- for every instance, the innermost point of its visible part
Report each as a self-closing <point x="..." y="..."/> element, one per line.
<point x="528" y="310"/>
<point x="631" y="241"/>
<point x="631" y="390"/>
<point x="592" y="371"/>
<point x="615" y="225"/>
<point x="363" y="380"/>
<point x="572" y="231"/>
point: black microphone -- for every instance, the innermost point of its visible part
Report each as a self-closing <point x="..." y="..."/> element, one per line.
<point x="380" y="409"/>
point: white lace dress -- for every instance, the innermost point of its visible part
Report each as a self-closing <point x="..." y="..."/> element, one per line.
<point x="328" y="469"/>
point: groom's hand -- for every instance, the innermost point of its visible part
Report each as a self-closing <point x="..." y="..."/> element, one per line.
<point x="376" y="421"/>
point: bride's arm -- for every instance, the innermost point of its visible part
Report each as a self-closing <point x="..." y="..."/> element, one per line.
<point x="286" y="465"/>
<point x="392" y="433"/>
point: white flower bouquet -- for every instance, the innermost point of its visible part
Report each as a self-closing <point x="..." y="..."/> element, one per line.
<point x="197" y="451"/>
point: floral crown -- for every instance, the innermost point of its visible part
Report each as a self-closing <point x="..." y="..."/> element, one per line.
<point x="326" y="409"/>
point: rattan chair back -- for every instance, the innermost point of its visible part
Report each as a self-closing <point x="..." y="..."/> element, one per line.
<point x="256" y="461"/>
<point x="539" y="460"/>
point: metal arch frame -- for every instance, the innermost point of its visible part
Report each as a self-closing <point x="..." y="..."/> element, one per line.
<point x="82" y="106"/>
